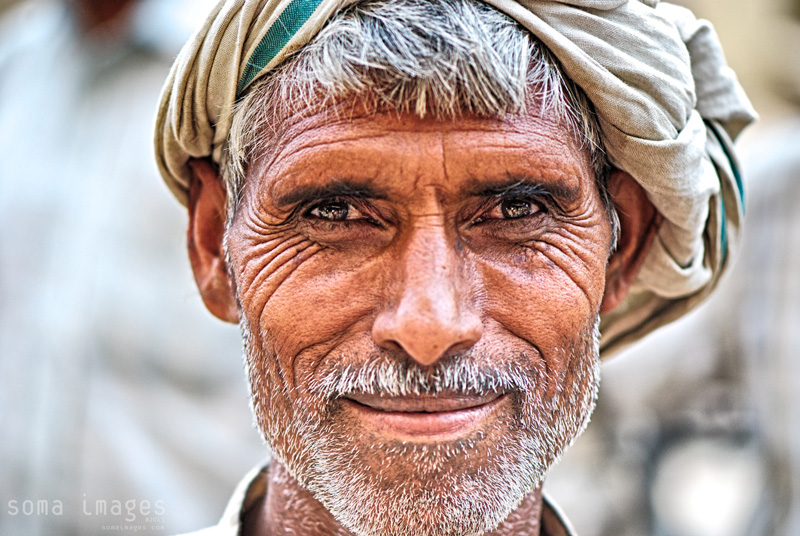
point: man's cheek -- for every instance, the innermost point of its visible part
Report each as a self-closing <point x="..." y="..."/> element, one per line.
<point x="262" y="261"/>
<point x="540" y="298"/>
<point x="319" y="306"/>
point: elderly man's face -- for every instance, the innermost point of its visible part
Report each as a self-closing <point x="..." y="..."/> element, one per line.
<point x="420" y="300"/>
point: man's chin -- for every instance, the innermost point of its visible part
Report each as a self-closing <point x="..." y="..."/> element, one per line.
<point x="431" y="514"/>
<point x="461" y="486"/>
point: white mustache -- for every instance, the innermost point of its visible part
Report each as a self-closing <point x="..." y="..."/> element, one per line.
<point x="390" y="377"/>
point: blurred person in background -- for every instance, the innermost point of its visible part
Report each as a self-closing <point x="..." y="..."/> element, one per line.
<point x="104" y="396"/>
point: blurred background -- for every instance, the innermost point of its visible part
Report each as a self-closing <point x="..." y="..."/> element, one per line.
<point x="123" y="403"/>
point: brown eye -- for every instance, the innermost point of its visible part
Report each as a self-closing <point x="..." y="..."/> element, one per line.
<point x="335" y="210"/>
<point x="511" y="209"/>
<point x="516" y="208"/>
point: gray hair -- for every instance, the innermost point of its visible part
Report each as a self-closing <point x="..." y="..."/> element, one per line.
<point x="443" y="58"/>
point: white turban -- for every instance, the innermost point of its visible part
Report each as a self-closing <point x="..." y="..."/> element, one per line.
<point x="667" y="103"/>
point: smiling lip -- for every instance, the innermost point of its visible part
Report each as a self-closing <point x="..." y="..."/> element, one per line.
<point x="420" y="417"/>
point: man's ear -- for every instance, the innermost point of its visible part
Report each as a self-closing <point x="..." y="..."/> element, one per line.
<point x="638" y="221"/>
<point x="207" y="206"/>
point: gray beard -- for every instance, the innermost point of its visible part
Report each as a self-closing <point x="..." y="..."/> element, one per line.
<point x="457" y="488"/>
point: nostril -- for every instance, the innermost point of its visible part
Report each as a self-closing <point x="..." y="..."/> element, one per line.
<point x="463" y="345"/>
<point x="392" y="345"/>
<point x="423" y="338"/>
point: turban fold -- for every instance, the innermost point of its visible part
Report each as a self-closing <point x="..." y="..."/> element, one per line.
<point x="667" y="103"/>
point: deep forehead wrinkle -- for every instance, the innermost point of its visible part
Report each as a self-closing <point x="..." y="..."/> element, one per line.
<point x="290" y="152"/>
<point x="300" y="143"/>
<point x="332" y="134"/>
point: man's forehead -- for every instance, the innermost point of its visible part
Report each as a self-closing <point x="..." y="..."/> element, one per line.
<point x="290" y="116"/>
<point x="370" y="150"/>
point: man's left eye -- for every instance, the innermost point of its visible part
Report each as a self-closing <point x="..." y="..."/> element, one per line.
<point x="335" y="210"/>
<point x="511" y="209"/>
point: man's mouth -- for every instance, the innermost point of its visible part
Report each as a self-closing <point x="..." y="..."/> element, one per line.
<point x="420" y="417"/>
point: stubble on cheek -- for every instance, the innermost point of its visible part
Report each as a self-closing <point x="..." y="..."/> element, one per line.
<point x="280" y="419"/>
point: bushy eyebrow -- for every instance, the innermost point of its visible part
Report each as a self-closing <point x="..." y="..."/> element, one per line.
<point x="509" y="187"/>
<point x="517" y="186"/>
<point x="337" y="188"/>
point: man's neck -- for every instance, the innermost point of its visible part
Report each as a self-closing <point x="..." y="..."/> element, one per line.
<point x="288" y="508"/>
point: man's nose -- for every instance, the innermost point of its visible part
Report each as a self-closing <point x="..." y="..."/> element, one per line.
<point x="432" y="315"/>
